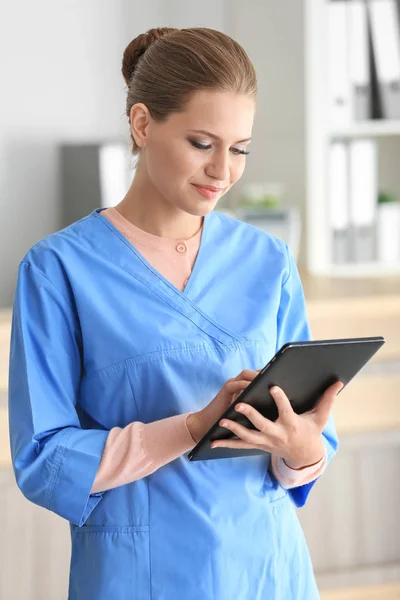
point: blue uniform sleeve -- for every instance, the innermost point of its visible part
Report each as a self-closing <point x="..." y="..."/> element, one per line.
<point x="293" y="326"/>
<point x="54" y="460"/>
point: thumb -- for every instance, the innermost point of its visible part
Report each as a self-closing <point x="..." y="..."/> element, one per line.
<point x="324" y="406"/>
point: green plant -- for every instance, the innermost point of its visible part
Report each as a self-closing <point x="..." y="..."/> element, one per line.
<point x="268" y="201"/>
<point x="266" y="195"/>
<point x="386" y="197"/>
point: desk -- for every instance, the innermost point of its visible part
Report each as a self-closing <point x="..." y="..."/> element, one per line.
<point x="336" y="308"/>
<point x="380" y="592"/>
<point x="356" y="308"/>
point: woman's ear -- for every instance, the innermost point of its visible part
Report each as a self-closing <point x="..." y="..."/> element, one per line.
<point x="140" y="119"/>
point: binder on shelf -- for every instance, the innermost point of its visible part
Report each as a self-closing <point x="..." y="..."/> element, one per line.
<point x="115" y="174"/>
<point x="93" y="175"/>
<point x="376" y="105"/>
<point x="338" y="63"/>
<point x="385" y="30"/>
<point x="363" y="191"/>
<point x="359" y="61"/>
<point x="388" y="232"/>
<point x="338" y="186"/>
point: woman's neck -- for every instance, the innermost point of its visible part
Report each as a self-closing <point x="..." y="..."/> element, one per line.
<point x="144" y="206"/>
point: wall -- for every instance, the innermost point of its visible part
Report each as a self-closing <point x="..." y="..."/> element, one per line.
<point x="60" y="65"/>
<point x="272" y="34"/>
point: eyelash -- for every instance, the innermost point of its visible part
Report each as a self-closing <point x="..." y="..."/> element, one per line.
<point x="202" y="147"/>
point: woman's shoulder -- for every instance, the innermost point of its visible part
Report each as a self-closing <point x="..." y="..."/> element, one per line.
<point x="59" y="245"/>
<point x="237" y="230"/>
<point x="57" y="254"/>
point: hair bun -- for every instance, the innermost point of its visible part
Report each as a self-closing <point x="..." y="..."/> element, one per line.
<point x="138" y="46"/>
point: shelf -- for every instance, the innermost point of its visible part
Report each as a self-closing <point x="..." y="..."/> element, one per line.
<point x="376" y="128"/>
<point x="381" y="592"/>
<point x="364" y="270"/>
<point x="321" y="132"/>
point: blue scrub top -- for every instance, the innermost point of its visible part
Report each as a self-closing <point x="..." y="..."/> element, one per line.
<point x="100" y="339"/>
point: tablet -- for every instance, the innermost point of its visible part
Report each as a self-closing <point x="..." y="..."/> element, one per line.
<point x="304" y="370"/>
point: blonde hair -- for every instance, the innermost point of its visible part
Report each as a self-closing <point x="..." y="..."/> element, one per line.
<point x="163" y="67"/>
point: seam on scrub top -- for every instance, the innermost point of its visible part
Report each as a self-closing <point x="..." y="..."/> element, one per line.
<point x="282" y="286"/>
<point x="164" y="280"/>
<point x="76" y="328"/>
<point x="101" y="529"/>
<point x="289" y="263"/>
<point x="60" y="450"/>
<point x="131" y="386"/>
<point x="60" y="294"/>
<point x="279" y="498"/>
<point x="157" y="353"/>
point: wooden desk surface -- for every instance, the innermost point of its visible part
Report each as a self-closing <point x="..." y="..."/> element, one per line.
<point x="336" y="308"/>
<point x="317" y="289"/>
<point x="5" y="331"/>
<point x="380" y="592"/>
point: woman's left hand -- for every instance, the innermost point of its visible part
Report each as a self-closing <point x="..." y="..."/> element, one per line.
<point x="296" y="438"/>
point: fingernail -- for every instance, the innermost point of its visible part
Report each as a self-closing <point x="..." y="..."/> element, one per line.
<point x="239" y="407"/>
<point x="274" y="390"/>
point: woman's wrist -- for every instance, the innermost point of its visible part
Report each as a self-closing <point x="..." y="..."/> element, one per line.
<point x="310" y="460"/>
<point x="194" y="426"/>
<point x="304" y="466"/>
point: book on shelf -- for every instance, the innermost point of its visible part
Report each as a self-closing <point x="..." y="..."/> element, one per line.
<point x="388" y="229"/>
<point x="363" y="196"/>
<point x="353" y="191"/>
<point x="349" y="69"/>
<point x="384" y="19"/>
<point x="360" y="61"/>
<point x="338" y="200"/>
<point x="363" y="60"/>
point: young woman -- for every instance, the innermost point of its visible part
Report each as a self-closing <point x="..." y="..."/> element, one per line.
<point x="137" y="326"/>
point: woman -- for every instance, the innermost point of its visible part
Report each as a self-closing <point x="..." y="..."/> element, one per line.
<point x="136" y="327"/>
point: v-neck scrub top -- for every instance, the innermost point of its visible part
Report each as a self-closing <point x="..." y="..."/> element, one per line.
<point x="139" y="449"/>
<point x="100" y="339"/>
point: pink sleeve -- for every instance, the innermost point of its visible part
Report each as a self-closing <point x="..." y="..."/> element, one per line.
<point x="139" y="449"/>
<point x="290" y="478"/>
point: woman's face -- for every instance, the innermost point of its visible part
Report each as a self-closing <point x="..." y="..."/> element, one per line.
<point x="204" y="145"/>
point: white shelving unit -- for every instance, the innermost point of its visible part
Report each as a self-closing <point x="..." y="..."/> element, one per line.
<point x="375" y="128"/>
<point x="319" y="134"/>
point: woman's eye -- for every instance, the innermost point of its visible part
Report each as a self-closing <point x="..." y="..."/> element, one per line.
<point x="199" y="146"/>
<point x="238" y="151"/>
<point x="203" y="146"/>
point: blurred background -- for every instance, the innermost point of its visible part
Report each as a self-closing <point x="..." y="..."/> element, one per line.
<point x="323" y="174"/>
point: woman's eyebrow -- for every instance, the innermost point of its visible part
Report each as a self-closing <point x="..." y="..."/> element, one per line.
<point x="215" y="137"/>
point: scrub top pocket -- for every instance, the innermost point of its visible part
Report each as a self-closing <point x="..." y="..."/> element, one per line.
<point x="110" y="562"/>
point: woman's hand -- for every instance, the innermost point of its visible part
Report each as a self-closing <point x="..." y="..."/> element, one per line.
<point x="200" y="422"/>
<point x="296" y="438"/>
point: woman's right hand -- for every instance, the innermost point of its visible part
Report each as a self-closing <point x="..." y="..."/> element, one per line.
<point x="200" y="422"/>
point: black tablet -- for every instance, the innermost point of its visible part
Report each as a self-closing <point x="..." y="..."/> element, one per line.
<point x="304" y="370"/>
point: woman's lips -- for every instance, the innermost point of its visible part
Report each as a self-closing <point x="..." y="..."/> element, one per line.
<point x="208" y="191"/>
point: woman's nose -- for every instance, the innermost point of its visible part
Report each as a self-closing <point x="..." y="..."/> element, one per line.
<point x="218" y="167"/>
